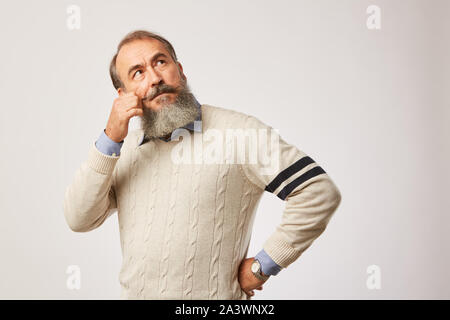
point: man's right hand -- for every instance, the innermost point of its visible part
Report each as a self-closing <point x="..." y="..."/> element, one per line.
<point x="126" y="106"/>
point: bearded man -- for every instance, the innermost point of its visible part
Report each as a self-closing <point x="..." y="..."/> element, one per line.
<point x="185" y="228"/>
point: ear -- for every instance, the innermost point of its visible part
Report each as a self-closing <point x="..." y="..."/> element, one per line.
<point x="181" y="71"/>
<point x="120" y="91"/>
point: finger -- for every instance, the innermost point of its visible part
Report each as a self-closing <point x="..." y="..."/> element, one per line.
<point x="132" y="104"/>
<point x="126" y="95"/>
<point x="135" y="112"/>
<point x="139" y="104"/>
<point x="129" y="94"/>
<point x="259" y="288"/>
<point x="140" y="92"/>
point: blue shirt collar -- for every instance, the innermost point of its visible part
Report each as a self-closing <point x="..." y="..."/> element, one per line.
<point x="195" y="125"/>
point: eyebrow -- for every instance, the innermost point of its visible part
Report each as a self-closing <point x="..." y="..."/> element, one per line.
<point x="138" y="66"/>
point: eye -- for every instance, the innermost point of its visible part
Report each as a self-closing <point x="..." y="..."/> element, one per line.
<point x="163" y="61"/>
<point x="137" y="74"/>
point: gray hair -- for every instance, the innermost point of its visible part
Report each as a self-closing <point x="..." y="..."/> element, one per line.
<point x="132" y="36"/>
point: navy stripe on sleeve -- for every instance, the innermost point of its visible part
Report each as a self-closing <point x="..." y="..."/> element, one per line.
<point x="288" y="172"/>
<point x="298" y="181"/>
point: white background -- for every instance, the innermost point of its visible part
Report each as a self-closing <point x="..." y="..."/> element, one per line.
<point x="370" y="106"/>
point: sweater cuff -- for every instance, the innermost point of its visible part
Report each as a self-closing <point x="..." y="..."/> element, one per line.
<point x="100" y="162"/>
<point x="280" y="251"/>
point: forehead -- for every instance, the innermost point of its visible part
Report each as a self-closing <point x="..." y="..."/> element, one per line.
<point x="138" y="51"/>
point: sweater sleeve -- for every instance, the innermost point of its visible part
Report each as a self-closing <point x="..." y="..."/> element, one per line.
<point x="90" y="198"/>
<point x="310" y="194"/>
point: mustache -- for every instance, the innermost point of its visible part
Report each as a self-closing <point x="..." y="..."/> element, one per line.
<point x="163" y="88"/>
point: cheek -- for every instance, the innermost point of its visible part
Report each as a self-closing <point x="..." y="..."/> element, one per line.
<point x="173" y="77"/>
<point x="139" y="87"/>
<point x="130" y="87"/>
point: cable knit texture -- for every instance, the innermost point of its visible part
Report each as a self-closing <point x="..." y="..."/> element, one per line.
<point x="185" y="227"/>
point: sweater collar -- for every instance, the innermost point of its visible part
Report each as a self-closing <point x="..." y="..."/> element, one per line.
<point x="195" y="125"/>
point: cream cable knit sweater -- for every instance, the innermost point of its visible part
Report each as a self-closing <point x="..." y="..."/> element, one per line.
<point x="186" y="227"/>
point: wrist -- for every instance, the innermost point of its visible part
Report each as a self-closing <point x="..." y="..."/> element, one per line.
<point x="107" y="146"/>
<point x="257" y="272"/>
<point x="268" y="266"/>
<point x="110" y="136"/>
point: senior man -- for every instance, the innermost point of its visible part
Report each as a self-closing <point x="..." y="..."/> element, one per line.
<point x="185" y="226"/>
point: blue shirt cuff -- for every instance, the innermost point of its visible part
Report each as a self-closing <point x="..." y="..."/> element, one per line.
<point x="107" y="146"/>
<point x="268" y="266"/>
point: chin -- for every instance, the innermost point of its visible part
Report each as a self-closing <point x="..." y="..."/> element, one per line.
<point x="154" y="106"/>
<point x="162" y="101"/>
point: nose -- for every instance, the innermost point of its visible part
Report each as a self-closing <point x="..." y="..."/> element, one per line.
<point x="155" y="77"/>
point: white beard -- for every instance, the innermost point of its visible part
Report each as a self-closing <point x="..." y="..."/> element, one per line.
<point x="171" y="115"/>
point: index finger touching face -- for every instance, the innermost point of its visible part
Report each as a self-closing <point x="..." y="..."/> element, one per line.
<point x="140" y="92"/>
